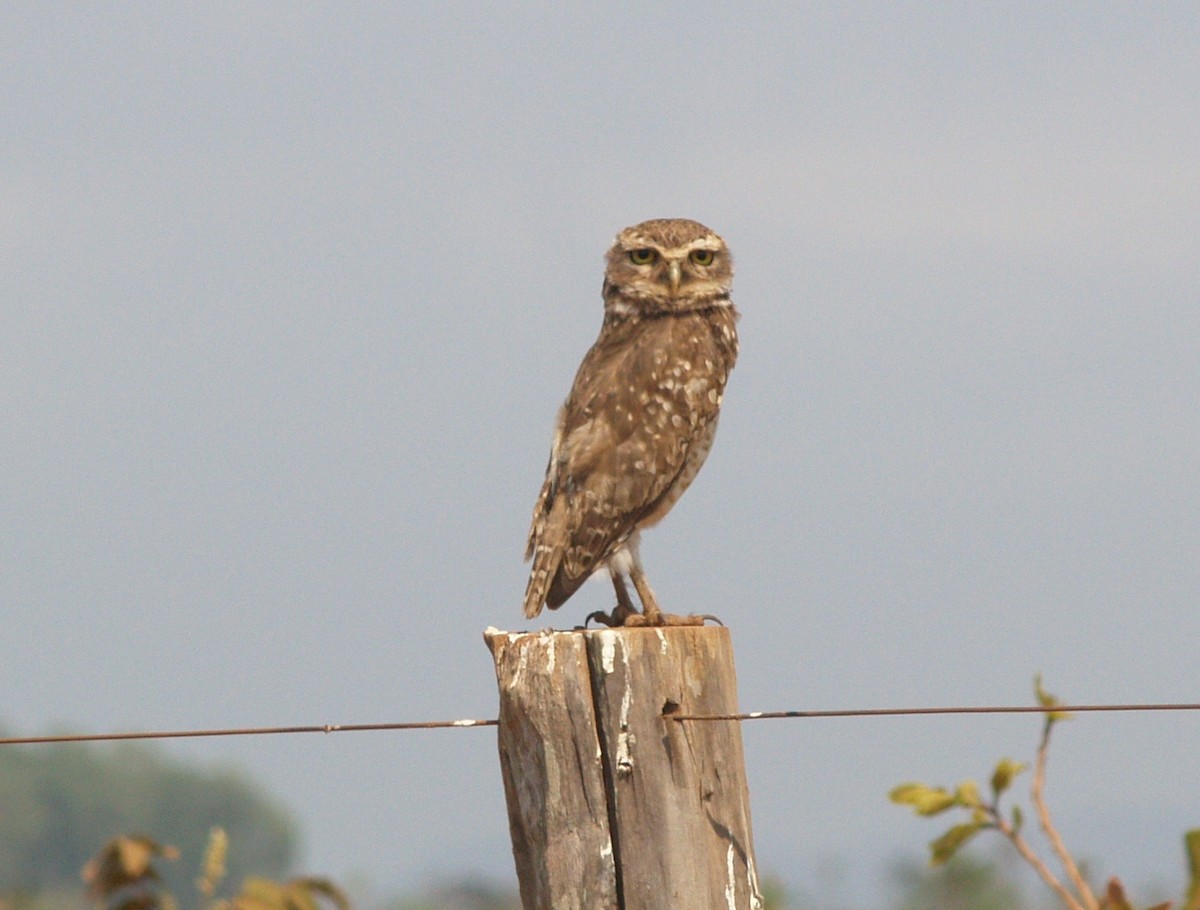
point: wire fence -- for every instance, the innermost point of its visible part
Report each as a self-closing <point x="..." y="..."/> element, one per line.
<point x="468" y="723"/>
<point x="243" y="731"/>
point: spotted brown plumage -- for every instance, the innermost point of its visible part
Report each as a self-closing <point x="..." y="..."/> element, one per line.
<point x="640" y="418"/>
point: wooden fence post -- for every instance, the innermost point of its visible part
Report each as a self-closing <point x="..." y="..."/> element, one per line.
<point x="612" y="805"/>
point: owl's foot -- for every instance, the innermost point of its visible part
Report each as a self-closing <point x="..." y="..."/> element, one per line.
<point x="670" y="619"/>
<point x="616" y="619"/>
<point x="622" y="613"/>
<point x="652" y="614"/>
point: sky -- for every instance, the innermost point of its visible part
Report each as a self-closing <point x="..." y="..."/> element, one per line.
<point x="290" y="295"/>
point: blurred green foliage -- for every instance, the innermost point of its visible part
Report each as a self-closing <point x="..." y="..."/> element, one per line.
<point x="962" y="882"/>
<point x="60" y="802"/>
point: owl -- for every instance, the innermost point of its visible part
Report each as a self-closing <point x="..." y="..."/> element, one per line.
<point x="640" y="418"/>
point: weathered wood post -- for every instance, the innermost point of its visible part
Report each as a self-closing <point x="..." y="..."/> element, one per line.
<point x="611" y="803"/>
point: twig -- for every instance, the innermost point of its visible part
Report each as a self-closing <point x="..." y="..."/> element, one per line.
<point x="1027" y="853"/>
<point x="1037" y="796"/>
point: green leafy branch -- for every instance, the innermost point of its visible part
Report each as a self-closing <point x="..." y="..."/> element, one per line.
<point x="984" y="814"/>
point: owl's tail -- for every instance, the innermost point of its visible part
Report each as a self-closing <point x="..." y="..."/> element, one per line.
<point x="545" y="564"/>
<point x="535" y="595"/>
<point x="547" y="544"/>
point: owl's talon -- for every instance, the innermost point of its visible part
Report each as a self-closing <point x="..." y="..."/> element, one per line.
<point x="622" y="615"/>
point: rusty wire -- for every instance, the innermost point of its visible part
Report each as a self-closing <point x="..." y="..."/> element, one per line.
<point x="243" y="731"/>
<point x="961" y="709"/>
<point x="472" y="723"/>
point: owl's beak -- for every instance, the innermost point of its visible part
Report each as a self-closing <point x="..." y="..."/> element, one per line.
<point x="675" y="273"/>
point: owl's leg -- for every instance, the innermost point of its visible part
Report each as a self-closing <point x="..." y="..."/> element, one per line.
<point x="623" y="610"/>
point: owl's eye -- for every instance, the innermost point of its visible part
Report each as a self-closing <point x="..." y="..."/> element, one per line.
<point x="703" y="257"/>
<point x="642" y="257"/>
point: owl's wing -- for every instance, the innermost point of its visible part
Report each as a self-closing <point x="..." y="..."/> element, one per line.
<point x="623" y="438"/>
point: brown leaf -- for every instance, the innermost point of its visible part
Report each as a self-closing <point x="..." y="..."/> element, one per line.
<point x="124" y="861"/>
<point x="1114" y="896"/>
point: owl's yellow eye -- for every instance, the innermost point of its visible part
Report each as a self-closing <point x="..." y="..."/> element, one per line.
<point x="642" y="257"/>
<point x="703" y="257"/>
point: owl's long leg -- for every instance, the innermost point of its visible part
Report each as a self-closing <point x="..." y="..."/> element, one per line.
<point x="652" y="614"/>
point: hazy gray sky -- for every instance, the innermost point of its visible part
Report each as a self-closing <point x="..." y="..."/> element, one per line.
<point x="289" y="296"/>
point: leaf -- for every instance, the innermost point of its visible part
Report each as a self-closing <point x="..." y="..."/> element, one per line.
<point x="213" y="870"/>
<point x="967" y="795"/>
<point x="924" y="799"/>
<point x="947" y="845"/>
<point x="300" y="898"/>
<point x="322" y="887"/>
<point x="1002" y="777"/>
<point x="1114" y="896"/>
<point x="1191" y="844"/>
<point x="1046" y="700"/>
<point x="1018" y="819"/>
<point x="261" y="894"/>
<point x="123" y="861"/>
<point x="294" y="894"/>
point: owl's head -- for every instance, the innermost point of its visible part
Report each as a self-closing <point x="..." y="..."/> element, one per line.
<point x="669" y="264"/>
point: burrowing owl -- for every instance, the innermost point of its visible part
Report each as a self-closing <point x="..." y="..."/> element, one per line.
<point x="640" y="418"/>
